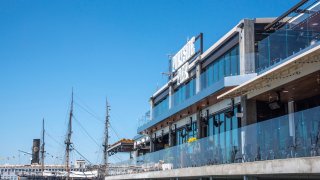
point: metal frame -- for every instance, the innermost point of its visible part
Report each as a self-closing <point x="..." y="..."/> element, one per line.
<point x="276" y="23"/>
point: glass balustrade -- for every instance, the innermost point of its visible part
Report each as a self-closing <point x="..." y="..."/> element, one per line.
<point x="144" y="119"/>
<point x="290" y="136"/>
<point x="300" y="32"/>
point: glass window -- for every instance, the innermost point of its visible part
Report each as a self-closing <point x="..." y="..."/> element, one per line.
<point x="221" y="68"/>
<point x="161" y="107"/>
<point x="227" y="61"/>
<point x="184" y="92"/>
<point x="234" y="60"/>
<point x="210" y="126"/>
<point x="226" y="65"/>
<point x="235" y="125"/>
<point x="215" y="70"/>
<point x="210" y="75"/>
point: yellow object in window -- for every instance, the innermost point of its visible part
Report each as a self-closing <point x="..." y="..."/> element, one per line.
<point x="192" y="139"/>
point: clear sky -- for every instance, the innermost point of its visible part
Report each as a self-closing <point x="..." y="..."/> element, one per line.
<point x="115" y="49"/>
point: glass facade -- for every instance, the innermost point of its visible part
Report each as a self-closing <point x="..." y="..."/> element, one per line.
<point x="299" y="33"/>
<point x="226" y="65"/>
<point x="224" y="130"/>
<point x="184" y="134"/>
<point x="267" y="140"/>
<point x="184" y="92"/>
<point x="161" y="107"/>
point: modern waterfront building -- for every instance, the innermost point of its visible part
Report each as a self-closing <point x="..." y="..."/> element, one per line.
<point x="246" y="108"/>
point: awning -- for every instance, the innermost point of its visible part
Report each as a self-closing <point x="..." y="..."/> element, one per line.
<point x="123" y="145"/>
<point x="301" y="64"/>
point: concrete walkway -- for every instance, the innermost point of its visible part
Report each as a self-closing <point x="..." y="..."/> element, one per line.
<point x="301" y="166"/>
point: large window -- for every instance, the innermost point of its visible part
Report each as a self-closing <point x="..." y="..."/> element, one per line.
<point x="183" y="134"/>
<point x="161" y="107"/>
<point x="226" y="65"/>
<point x="225" y="132"/>
<point x="184" y="92"/>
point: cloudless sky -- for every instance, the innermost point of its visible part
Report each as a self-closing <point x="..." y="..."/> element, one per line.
<point x="115" y="49"/>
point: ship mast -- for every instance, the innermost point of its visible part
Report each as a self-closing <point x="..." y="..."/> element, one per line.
<point x="68" y="138"/>
<point x="42" y="148"/>
<point x="106" y="138"/>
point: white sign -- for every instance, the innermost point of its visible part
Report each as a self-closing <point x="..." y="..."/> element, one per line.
<point x="179" y="63"/>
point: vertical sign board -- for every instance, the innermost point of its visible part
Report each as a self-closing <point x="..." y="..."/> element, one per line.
<point x="179" y="63"/>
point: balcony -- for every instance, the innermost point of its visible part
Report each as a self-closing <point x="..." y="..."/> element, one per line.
<point x="291" y="136"/>
<point x="300" y="33"/>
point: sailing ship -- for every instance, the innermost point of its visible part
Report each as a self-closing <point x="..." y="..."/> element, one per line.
<point x="78" y="171"/>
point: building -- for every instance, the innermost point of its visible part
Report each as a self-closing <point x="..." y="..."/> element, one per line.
<point x="246" y="108"/>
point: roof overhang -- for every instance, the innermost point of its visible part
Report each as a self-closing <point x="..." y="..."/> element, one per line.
<point x="298" y="65"/>
<point x="123" y="145"/>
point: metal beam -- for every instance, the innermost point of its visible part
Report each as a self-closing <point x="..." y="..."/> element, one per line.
<point x="293" y="9"/>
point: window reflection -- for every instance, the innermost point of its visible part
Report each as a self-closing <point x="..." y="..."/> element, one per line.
<point x="226" y="65"/>
<point x="160" y="107"/>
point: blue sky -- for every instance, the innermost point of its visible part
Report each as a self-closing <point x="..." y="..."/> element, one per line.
<point x="115" y="49"/>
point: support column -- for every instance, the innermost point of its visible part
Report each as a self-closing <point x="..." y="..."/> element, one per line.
<point x="152" y="144"/>
<point x="170" y="135"/>
<point x="136" y="152"/>
<point x="151" y="107"/>
<point x="171" y="98"/>
<point x="246" y="47"/>
<point x="199" y="125"/>
<point x="292" y="131"/>
<point x="248" y="133"/>
<point x="198" y="78"/>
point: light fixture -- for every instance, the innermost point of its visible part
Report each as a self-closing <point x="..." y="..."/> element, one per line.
<point x="274" y="105"/>
<point x="285" y="91"/>
<point x="315" y="24"/>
